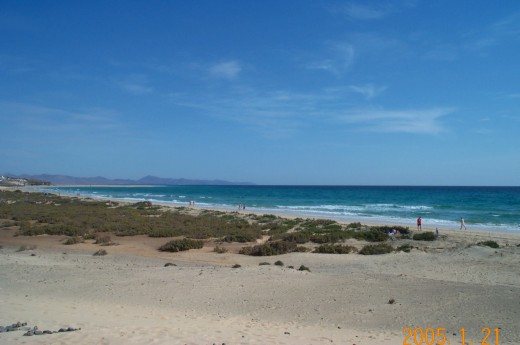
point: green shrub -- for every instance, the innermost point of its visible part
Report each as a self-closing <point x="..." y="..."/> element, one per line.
<point x="376" y="249"/>
<point x="269" y="248"/>
<point x="278" y="263"/>
<point x="236" y="266"/>
<point x="73" y="240"/>
<point x="241" y="238"/>
<point x="371" y="236"/>
<point x="100" y="252"/>
<point x="335" y="249"/>
<point x="169" y="264"/>
<point x="304" y="268"/>
<point x="220" y="250"/>
<point x="424" y="236"/>
<point x="404" y="248"/>
<point x="355" y="225"/>
<point x="104" y="240"/>
<point x="297" y="237"/>
<point x="491" y="244"/>
<point x="181" y="245"/>
<point x="264" y="264"/>
<point x="386" y="228"/>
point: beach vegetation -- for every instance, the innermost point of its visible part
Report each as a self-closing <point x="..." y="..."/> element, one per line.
<point x="264" y="263"/>
<point x="279" y="263"/>
<point x="387" y="228"/>
<point x="424" y="236"/>
<point x="391" y="301"/>
<point x="220" y="250"/>
<point x="376" y="249"/>
<point x="355" y="225"/>
<point x="304" y="268"/>
<point x="100" y="252"/>
<point x="74" y="240"/>
<point x="335" y="249"/>
<point x="291" y="267"/>
<point x="181" y="245"/>
<point x="269" y="248"/>
<point x="169" y="264"/>
<point x="489" y="243"/>
<point x="39" y="214"/>
<point x="104" y="240"/>
<point x="404" y="248"/>
<point x="236" y="266"/>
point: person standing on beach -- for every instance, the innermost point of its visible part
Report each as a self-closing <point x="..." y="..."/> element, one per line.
<point x="419" y="223"/>
<point x="462" y="224"/>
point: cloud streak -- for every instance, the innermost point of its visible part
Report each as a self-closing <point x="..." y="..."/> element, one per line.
<point x="293" y="112"/>
<point x="417" y="121"/>
<point x="226" y="70"/>
<point x="368" y="91"/>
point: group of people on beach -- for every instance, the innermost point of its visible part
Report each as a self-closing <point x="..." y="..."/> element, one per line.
<point x="419" y="224"/>
<point x="241" y="207"/>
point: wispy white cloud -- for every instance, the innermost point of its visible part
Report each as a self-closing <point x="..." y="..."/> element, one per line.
<point x="50" y="119"/>
<point x="363" y="11"/>
<point x="503" y="31"/>
<point x="136" y="84"/>
<point x="427" y="121"/>
<point x="357" y="11"/>
<point x="329" y="108"/>
<point x="369" y="91"/>
<point x="340" y="59"/>
<point x="226" y="70"/>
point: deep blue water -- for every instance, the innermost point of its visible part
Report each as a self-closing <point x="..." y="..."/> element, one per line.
<point x="483" y="208"/>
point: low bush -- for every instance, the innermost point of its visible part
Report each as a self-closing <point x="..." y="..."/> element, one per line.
<point x="386" y="228"/>
<point x="301" y="249"/>
<point x="269" y="248"/>
<point x="304" y="268"/>
<point x="236" y="266"/>
<point x="335" y="249"/>
<point x="169" y="264"/>
<point x="73" y="240"/>
<point x="241" y="238"/>
<point x="104" y="240"/>
<point x="371" y="236"/>
<point x="491" y="244"/>
<point x="279" y="263"/>
<point x="220" y="250"/>
<point x="264" y="264"/>
<point x="100" y="252"/>
<point x="181" y="245"/>
<point x="404" y="248"/>
<point x="424" y="236"/>
<point x="376" y="249"/>
<point x="355" y="225"/>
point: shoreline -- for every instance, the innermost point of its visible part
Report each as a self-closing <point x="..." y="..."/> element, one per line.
<point x="283" y="213"/>
<point x="130" y="296"/>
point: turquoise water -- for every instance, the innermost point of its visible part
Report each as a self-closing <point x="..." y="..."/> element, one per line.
<point x="483" y="208"/>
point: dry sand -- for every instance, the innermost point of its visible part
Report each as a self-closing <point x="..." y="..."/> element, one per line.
<point x="130" y="297"/>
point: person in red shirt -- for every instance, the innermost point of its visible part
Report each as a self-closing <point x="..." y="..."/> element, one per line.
<point x="419" y="223"/>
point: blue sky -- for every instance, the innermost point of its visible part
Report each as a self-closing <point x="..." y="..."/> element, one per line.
<point x="272" y="92"/>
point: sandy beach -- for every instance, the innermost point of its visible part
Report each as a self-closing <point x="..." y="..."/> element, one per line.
<point x="130" y="295"/>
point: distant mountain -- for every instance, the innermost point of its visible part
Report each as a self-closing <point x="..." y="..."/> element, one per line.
<point x="147" y="180"/>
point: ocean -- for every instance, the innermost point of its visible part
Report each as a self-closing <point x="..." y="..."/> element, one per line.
<point x="483" y="208"/>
